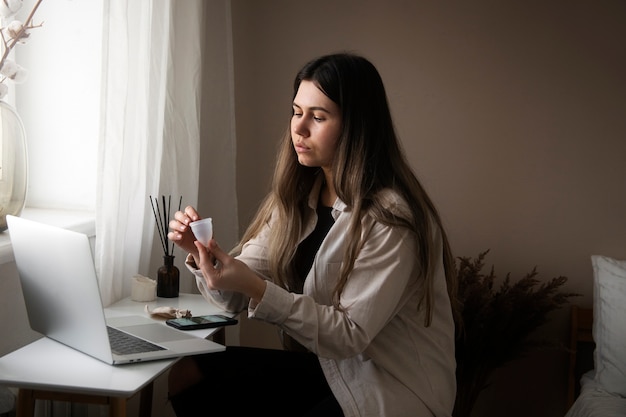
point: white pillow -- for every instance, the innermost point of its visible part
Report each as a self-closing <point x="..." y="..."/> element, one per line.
<point x="609" y="323"/>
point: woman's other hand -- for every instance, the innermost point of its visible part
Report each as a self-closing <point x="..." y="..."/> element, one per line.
<point x="223" y="272"/>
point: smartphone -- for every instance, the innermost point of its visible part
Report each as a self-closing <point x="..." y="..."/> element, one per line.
<point x="201" y="322"/>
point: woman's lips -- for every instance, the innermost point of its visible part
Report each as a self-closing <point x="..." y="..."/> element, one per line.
<point x="301" y="148"/>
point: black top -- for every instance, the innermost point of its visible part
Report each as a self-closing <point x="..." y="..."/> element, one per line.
<point x="306" y="251"/>
<point x="303" y="260"/>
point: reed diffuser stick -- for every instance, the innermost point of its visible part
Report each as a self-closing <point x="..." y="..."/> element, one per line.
<point x="161" y="217"/>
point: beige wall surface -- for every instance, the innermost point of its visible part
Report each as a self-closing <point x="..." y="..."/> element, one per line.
<point x="511" y="113"/>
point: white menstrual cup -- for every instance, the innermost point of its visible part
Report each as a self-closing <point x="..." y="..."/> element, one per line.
<point x="202" y="230"/>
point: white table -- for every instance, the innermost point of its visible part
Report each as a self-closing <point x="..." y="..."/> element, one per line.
<point x="48" y="370"/>
<point x="193" y="302"/>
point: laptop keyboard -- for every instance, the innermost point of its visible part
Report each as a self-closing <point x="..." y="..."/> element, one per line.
<point x="124" y="343"/>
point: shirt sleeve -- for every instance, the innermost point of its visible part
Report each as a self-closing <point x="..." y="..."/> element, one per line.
<point x="254" y="255"/>
<point x="227" y="300"/>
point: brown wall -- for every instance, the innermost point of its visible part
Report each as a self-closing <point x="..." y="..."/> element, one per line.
<point x="511" y="113"/>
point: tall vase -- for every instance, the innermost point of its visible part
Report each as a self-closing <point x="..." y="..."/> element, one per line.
<point x="13" y="164"/>
<point x="168" y="278"/>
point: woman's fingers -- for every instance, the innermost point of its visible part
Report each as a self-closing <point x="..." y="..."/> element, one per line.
<point x="191" y="214"/>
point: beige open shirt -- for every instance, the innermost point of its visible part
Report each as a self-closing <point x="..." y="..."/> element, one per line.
<point x="378" y="357"/>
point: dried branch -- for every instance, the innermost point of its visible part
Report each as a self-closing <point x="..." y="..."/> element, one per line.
<point x="17" y="32"/>
<point x="497" y="323"/>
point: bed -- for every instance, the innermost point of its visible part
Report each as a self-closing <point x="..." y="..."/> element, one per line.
<point x="601" y="390"/>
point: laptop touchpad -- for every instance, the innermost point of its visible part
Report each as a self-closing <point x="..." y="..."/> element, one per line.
<point x="155" y="332"/>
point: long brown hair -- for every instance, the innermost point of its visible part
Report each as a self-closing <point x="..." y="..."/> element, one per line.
<point x="368" y="159"/>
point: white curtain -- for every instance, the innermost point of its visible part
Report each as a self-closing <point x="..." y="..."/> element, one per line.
<point x="150" y="129"/>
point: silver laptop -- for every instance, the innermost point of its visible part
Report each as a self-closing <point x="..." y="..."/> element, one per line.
<point x="62" y="298"/>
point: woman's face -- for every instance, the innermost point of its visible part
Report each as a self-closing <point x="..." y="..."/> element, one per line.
<point x="315" y="126"/>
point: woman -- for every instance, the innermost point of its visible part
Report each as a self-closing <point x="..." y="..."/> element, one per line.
<point x="347" y="256"/>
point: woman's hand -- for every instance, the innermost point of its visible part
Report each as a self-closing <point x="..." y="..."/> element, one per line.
<point x="223" y="272"/>
<point x="180" y="231"/>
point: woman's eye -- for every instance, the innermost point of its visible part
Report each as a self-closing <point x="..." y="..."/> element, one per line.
<point x="300" y="113"/>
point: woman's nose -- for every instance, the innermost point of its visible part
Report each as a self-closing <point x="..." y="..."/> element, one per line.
<point x="299" y="127"/>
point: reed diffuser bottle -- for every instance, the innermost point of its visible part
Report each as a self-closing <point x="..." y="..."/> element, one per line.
<point x="168" y="278"/>
<point x="168" y="275"/>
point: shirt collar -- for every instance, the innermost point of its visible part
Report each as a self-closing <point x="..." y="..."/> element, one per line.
<point x="338" y="206"/>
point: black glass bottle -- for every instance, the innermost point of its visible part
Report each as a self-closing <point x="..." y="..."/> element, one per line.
<point x="168" y="278"/>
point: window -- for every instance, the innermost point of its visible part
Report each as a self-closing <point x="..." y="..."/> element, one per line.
<point x="59" y="102"/>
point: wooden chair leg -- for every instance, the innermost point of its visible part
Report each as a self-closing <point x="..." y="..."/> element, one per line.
<point x="145" y="400"/>
<point x="117" y="407"/>
<point x="25" y="406"/>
